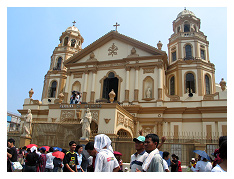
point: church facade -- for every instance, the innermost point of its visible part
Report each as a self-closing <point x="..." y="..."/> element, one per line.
<point x="171" y="94"/>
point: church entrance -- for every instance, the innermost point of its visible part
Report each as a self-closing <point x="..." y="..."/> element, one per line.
<point x="111" y="82"/>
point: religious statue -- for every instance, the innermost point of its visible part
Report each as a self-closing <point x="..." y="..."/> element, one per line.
<point x="28" y="124"/>
<point x="148" y="93"/>
<point x="86" y="121"/>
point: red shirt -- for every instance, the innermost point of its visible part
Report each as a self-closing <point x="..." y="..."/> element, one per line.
<point x="179" y="166"/>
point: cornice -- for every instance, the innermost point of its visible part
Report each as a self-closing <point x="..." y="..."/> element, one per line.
<point x="114" y="35"/>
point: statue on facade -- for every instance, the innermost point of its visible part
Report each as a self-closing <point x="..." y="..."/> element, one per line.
<point x="148" y="93"/>
<point x="27" y="124"/>
<point x="85" y="122"/>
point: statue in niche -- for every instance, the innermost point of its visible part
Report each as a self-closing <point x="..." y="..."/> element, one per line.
<point x="85" y="122"/>
<point x="28" y="124"/>
<point x="148" y="93"/>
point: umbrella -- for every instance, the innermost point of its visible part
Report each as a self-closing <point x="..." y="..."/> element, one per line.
<point x="31" y="145"/>
<point x="202" y="153"/>
<point x="57" y="148"/>
<point x="46" y="147"/>
<point x="58" y="154"/>
<point x="117" y="153"/>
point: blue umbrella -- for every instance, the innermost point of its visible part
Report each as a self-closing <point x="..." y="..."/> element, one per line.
<point x="57" y="148"/>
<point x="202" y="153"/>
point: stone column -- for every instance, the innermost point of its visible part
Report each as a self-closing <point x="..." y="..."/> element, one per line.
<point x="160" y="82"/>
<point x="85" y="86"/>
<point x="127" y="84"/>
<point x="93" y="87"/>
<point x="67" y="88"/>
<point x="136" y="89"/>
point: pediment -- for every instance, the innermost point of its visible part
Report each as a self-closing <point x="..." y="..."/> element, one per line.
<point x="114" y="46"/>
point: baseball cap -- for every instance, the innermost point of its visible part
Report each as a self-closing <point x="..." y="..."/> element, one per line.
<point x="140" y="138"/>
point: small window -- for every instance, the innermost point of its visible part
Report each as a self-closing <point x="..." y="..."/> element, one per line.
<point x="186" y="28"/>
<point x="53" y="89"/>
<point x="190" y="83"/>
<point x="172" y="86"/>
<point x="203" y="54"/>
<point x="65" y="41"/>
<point x="207" y="80"/>
<point x="59" y="63"/>
<point x="73" y="43"/>
<point x="188" y="52"/>
<point x="173" y="54"/>
<point x="178" y="29"/>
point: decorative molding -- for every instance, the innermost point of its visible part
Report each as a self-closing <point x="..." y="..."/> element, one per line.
<point x="92" y="57"/>
<point x="77" y="75"/>
<point x="148" y="70"/>
<point x="95" y="116"/>
<point x="67" y="114"/>
<point x="133" y="53"/>
<point x="113" y="50"/>
<point x="120" y="118"/>
<point x="107" y="120"/>
<point x="148" y="129"/>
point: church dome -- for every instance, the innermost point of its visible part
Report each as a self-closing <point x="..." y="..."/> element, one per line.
<point x="73" y="28"/>
<point x="185" y="12"/>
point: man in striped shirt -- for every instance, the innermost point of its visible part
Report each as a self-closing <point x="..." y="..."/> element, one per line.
<point x="139" y="157"/>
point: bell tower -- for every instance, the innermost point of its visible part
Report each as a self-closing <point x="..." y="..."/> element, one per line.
<point x="190" y="73"/>
<point x="55" y="79"/>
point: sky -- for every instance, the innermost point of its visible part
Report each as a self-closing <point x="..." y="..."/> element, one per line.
<point x="33" y="33"/>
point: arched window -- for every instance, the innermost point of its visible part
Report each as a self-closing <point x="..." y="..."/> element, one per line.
<point x="207" y="80"/>
<point x="172" y="86"/>
<point x="59" y="63"/>
<point x="53" y="89"/>
<point x="188" y="52"/>
<point x="73" y="43"/>
<point x="186" y="28"/>
<point x="190" y="83"/>
<point x="178" y="29"/>
<point x="65" y="41"/>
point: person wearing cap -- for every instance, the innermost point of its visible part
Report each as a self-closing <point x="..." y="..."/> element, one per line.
<point x="139" y="157"/>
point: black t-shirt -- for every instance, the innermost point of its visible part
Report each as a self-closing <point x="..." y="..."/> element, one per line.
<point x="32" y="159"/>
<point x="71" y="160"/>
<point x="13" y="152"/>
<point x="174" y="167"/>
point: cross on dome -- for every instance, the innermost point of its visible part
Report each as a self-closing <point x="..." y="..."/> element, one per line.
<point x="74" y="22"/>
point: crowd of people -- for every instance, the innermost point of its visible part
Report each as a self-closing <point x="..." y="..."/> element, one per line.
<point x="98" y="156"/>
<point x="75" y="97"/>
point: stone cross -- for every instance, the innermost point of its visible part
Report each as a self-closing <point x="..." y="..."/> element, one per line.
<point x="116" y="25"/>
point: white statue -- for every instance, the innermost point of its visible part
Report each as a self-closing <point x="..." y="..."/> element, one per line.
<point x="148" y="93"/>
<point x="86" y="121"/>
<point x="28" y="123"/>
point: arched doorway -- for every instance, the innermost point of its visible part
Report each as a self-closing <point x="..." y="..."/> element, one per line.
<point x="110" y="82"/>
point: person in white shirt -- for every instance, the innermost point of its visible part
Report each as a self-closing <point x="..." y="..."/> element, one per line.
<point x="49" y="161"/>
<point x="222" y="167"/>
<point x="165" y="158"/>
<point x="105" y="159"/>
<point x="79" y="150"/>
<point x="202" y="166"/>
